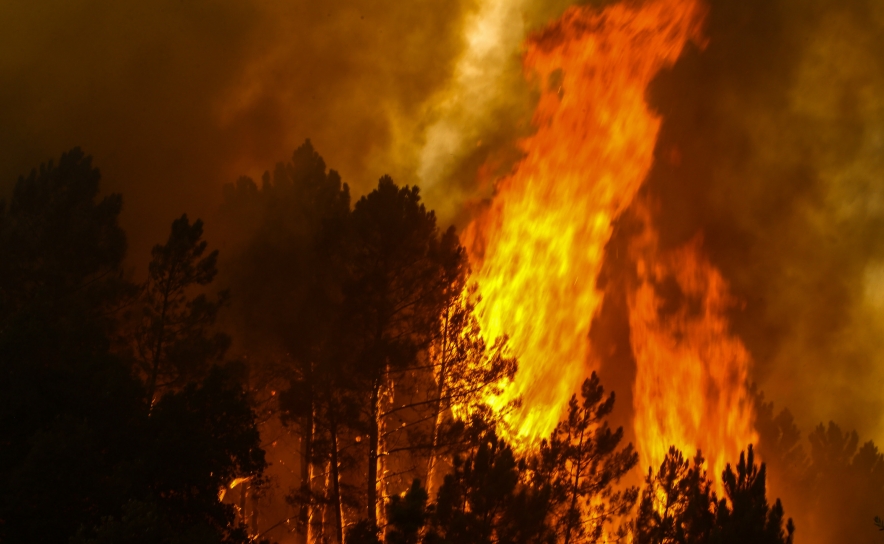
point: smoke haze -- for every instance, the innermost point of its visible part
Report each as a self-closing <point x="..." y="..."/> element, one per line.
<point x="175" y="98"/>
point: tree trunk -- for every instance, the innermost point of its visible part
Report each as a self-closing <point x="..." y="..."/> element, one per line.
<point x="306" y="462"/>
<point x="336" y="485"/>
<point x="373" y="443"/>
<point x="440" y="390"/>
<point x="575" y="487"/>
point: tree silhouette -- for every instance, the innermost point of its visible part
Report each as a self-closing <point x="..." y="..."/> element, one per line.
<point x="400" y="269"/>
<point x="750" y="518"/>
<point x="677" y="504"/>
<point x="63" y="398"/>
<point x="60" y="247"/>
<point x="487" y="498"/>
<point x="82" y="459"/>
<point x="581" y="462"/>
<point x="173" y="341"/>
<point x="289" y="273"/>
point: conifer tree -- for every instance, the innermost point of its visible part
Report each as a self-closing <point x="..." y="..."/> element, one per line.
<point x="174" y="342"/>
<point x="679" y="507"/>
<point x="582" y="463"/>
<point x="677" y="504"/>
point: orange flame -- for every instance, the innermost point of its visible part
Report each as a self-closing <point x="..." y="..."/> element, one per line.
<point x="691" y="373"/>
<point x="537" y="249"/>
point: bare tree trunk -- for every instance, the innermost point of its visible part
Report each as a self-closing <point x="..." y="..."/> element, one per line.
<point x="306" y="462"/>
<point x="322" y="521"/>
<point x="440" y="389"/>
<point x="570" y="526"/>
<point x="373" y="443"/>
<point x="336" y="484"/>
<point x="314" y="531"/>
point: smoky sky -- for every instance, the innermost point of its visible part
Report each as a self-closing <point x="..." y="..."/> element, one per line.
<point x="177" y="97"/>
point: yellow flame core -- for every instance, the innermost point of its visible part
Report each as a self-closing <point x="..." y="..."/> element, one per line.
<point x="537" y="249"/>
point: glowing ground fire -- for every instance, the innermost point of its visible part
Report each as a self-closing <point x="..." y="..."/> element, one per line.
<point x="537" y="249"/>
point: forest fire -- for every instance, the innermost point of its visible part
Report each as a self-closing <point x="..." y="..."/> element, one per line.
<point x="538" y="249"/>
<point x="576" y="271"/>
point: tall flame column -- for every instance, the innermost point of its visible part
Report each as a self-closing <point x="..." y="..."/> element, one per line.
<point x="537" y="249"/>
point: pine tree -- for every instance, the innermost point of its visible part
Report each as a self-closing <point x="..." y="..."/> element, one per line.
<point x="581" y="462"/>
<point x="174" y="342"/>
<point x="677" y="504"/>
<point x="400" y="268"/>
<point x="750" y="518"/>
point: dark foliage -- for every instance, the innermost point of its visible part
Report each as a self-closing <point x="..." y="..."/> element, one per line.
<point x="581" y="463"/>
<point x="81" y="456"/>
<point x="60" y="247"/>
<point x="483" y="501"/>
<point x="679" y="506"/>
<point x="406" y="515"/>
<point x="173" y="341"/>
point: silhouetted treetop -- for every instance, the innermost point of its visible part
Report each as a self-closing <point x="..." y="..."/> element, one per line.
<point x="56" y="239"/>
<point x="678" y="505"/>
<point x="174" y="342"/>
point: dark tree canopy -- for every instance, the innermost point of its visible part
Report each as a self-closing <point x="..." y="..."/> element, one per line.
<point x="174" y="343"/>
<point x="678" y="505"/>
<point x="478" y="500"/>
<point x="81" y="457"/>
<point x="58" y="243"/>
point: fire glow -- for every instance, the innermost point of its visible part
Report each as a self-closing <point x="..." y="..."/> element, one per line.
<point x="538" y="248"/>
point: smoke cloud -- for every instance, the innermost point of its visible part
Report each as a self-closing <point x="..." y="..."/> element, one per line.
<point x="177" y="97"/>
